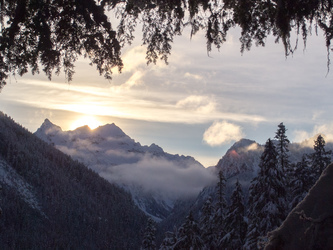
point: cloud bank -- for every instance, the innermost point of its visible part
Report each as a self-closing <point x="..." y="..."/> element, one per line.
<point x="161" y="176"/>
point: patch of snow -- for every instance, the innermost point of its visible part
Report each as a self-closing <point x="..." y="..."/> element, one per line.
<point x="11" y="178"/>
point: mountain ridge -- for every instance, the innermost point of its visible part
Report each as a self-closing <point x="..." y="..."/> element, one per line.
<point x="155" y="178"/>
<point x="49" y="200"/>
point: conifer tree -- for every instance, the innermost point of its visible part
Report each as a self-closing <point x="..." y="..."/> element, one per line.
<point x="148" y="242"/>
<point x="189" y="235"/>
<point x="235" y="220"/>
<point x="267" y="202"/>
<point x="170" y="240"/>
<point x="220" y="209"/>
<point x="302" y="181"/>
<point x="320" y="158"/>
<point x="282" y="150"/>
<point x="206" y="224"/>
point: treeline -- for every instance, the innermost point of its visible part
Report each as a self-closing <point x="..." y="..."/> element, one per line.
<point x="77" y="209"/>
<point x="244" y="224"/>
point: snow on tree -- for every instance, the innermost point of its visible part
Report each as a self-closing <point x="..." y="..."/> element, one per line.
<point x="267" y="200"/>
<point x="189" y="235"/>
<point x="220" y="209"/>
<point x="308" y="170"/>
<point x="206" y="224"/>
<point x="170" y="240"/>
<point x="148" y="242"/>
<point x="282" y="147"/>
<point x="236" y="225"/>
<point x="302" y="181"/>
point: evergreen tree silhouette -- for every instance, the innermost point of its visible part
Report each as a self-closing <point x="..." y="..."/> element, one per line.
<point x="267" y="200"/>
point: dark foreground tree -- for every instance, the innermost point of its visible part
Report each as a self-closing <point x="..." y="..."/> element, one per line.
<point x="52" y="34"/>
<point x="189" y="235"/>
<point x="320" y="158"/>
<point x="302" y="181"/>
<point x="206" y="224"/>
<point x="267" y="202"/>
<point x="236" y="225"/>
<point x="283" y="156"/>
<point x="220" y="210"/>
<point x="148" y="242"/>
<point x="282" y="147"/>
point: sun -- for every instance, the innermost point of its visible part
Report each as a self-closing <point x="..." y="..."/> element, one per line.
<point x="91" y="121"/>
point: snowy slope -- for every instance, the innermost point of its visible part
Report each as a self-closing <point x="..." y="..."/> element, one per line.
<point x="242" y="159"/>
<point x="155" y="178"/>
<point x="9" y="177"/>
<point x="241" y="162"/>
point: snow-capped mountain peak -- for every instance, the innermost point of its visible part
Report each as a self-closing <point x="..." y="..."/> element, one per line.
<point x="242" y="157"/>
<point x="48" y="127"/>
<point x="109" y="130"/>
<point x="152" y="176"/>
<point x="48" y="130"/>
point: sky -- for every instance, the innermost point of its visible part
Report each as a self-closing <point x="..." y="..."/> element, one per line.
<point x="197" y="105"/>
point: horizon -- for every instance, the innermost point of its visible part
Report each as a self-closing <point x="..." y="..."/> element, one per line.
<point x="308" y="142"/>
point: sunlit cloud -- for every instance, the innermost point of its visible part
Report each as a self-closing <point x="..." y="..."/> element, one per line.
<point x="324" y="129"/>
<point x="198" y="103"/>
<point x="90" y="121"/>
<point x="134" y="58"/>
<point x="193" y="76"/>
<point x="221" y="133"/>
<point x="301" y="135"/>
<point x="307" y="138"/>
<point x="124" y="103"/>
<point x="252" y="147"/>
<point x="134" y="80"/>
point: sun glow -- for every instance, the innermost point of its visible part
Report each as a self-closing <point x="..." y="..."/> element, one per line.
<point x="90" y="121"/>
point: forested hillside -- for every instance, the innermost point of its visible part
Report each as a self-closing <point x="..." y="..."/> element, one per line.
<point x="49" y="200"/>
<point x="244" y="217"/>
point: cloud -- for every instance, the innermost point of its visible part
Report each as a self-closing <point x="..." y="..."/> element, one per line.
<point x="193" y="76"/>
<point x="307" y="138"/>
<point x="252" y="147"/>
<point x="202" y="104"/>
<point x="159" y="175"/>
<point x="326" y="130"/>
<point x="134" y="59"/>
<point x="317" y="115"/>
<point x="134" y="80"/>
<point x="301" y="135"/>
<point x="221" y="133"/>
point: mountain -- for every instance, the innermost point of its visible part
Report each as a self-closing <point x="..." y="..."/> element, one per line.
<point x="240" y="162"/>
<point x="50" y="201"/>
<point x="155" y="179"/>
